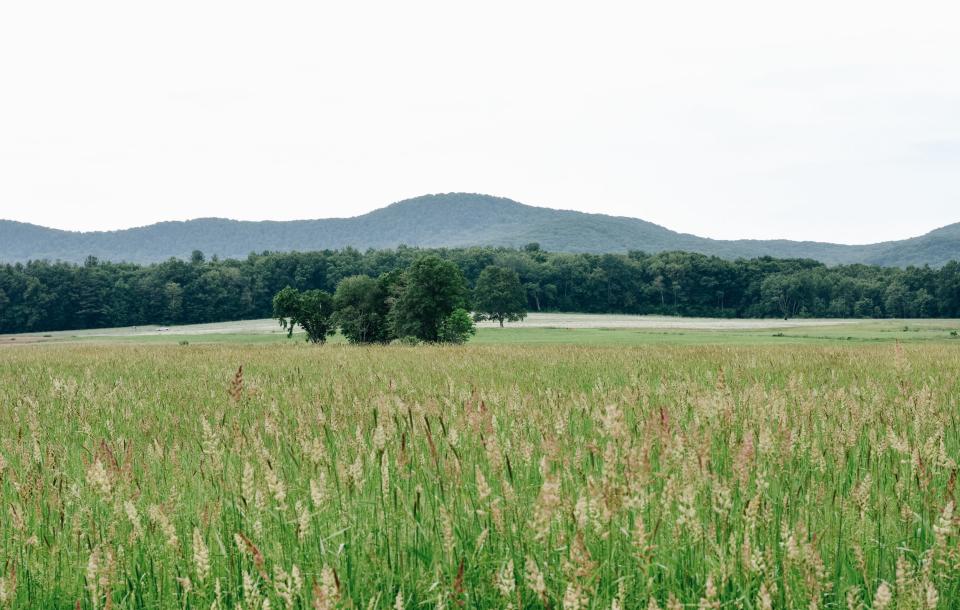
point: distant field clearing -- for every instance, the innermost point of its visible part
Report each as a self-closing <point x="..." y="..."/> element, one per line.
<point x="534" y="320"/>
<point x="573" y="320"/>
<point x="557" y="328"/>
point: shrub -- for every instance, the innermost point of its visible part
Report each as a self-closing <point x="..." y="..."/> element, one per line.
<point x="458" y="327"/>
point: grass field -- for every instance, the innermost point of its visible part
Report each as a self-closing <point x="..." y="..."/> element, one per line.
<point x="540" y="329"/>
<point x="481" y="476"/>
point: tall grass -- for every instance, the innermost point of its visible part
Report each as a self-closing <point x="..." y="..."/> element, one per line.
<point x="478" y="477"/>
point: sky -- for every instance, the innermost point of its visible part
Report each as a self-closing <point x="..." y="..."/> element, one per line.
<point x="832" y="121"/>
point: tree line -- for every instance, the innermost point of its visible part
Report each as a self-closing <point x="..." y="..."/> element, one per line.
<point x="41" y="295"/>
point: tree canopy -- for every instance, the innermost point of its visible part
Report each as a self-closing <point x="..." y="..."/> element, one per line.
<point x="310" y="310"/>
<point x="423" y="303"/>
<point x="43" y="296"/>
<point x="499" y="295"/>
<point x="362" y="309"/>
<point x="430" y="290"/>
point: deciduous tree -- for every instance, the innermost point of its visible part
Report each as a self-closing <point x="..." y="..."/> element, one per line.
<point x="431" y="289"/>
<point x="362" y="309"/>
<point x="311" y="310"/>
<point x="499" y="296"/>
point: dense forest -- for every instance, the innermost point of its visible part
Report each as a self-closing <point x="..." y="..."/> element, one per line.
<point x="41" y="296"/>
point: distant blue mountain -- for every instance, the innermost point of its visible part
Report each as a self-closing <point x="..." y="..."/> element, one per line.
<point x="451" y="220"/>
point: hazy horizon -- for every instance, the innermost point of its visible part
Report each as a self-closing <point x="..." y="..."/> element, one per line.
<point x="743" y="120"/>
<point x="401" y="201"/>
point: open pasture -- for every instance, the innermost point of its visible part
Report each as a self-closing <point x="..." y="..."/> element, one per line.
<point x="555" y="328"/>
<point x="136" y="476"/>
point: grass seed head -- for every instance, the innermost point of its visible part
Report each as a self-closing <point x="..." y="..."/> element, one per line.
<point x="201" y="556"/>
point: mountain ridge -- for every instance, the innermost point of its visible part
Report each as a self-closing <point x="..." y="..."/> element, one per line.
<point x="444" y="220"/>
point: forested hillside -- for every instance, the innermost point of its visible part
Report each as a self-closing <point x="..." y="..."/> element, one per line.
<point x="448" y="220"/>
<point x="43" y="296"/>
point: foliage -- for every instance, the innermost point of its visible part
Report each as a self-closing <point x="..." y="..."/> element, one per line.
<point x="42" y="296"/>
<point x="478" y="477"/>
<point x="311" y="310"/>
<point x="499" y="295"/>
<point x="362" y="309"/>
<point x="431" y="289"/>
<point x="457" y="328"/>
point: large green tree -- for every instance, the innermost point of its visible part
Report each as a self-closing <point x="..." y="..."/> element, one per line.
<point x="499" y="296"/>
<point x="311" y="310"/>
<point x="428" y="293"/>
<point x="361" y="309"/>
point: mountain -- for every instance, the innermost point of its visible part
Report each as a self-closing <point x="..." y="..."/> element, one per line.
<point x="454" y="219"/>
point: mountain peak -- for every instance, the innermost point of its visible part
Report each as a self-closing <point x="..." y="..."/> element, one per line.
<point x="455" y="199"/>
<point x="458" y="203"/>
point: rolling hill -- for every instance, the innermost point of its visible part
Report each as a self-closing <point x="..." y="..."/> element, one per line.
<point x="454" y="219"/>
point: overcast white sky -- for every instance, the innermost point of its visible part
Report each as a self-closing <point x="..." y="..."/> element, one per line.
<point x="833" y="120"/>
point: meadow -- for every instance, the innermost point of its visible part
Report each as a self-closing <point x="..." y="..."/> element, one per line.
<point x="557" y="328"/>
<point x="661" y="475"/>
